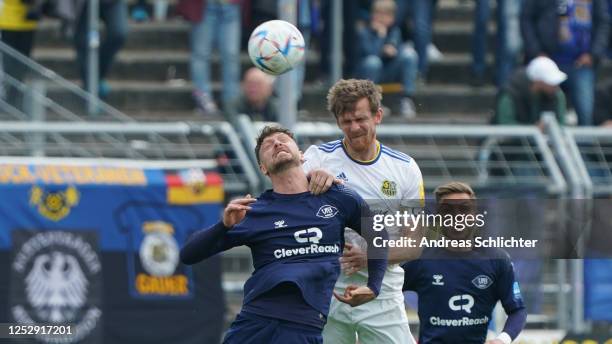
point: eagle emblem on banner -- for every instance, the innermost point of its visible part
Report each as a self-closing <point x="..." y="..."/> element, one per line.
<point x="56" y="287"/>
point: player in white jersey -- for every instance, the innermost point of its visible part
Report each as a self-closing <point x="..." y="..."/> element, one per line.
<point x="383" y="177"/>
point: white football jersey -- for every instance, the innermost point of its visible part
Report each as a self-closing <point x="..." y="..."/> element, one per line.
<point x="392" y="178"/>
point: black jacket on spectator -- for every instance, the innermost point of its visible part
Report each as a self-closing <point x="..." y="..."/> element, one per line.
<point x="540" y="27"/>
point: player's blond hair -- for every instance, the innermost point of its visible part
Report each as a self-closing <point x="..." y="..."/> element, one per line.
<point x="385" y="6"/>
<point x="344" y="95"/>
<point x="451" y="188"/>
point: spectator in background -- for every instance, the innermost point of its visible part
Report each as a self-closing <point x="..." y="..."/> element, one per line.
<point x="220" y="26"/>
<point x="350" y="18"/>
<point x="18" y="21"/>
<point x="256" y="100"/>
<point x="423" y="12"/>
<point x="530" y="92"/>
<point x="114" y="14"/>
<point x="602" y="114"/>
<point x="574" y="33"/>
<point x="508" y="40"/>
<point x="383" y="57"/>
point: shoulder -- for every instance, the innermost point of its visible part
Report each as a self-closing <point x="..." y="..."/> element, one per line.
<point x="321" y="152"/>
<point x="497" y="254"/>
<point x="344" y="196"/>
<point x="403" y="162"/>
<point x="329" y="146"/>
<point x="323" y="149"/>
<point x="343" y="191"/>
<point x="396" y="155"/>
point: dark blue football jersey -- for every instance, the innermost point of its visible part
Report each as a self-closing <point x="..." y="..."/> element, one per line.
<point x="458" y="291"/>
<point x="296" y="239"/>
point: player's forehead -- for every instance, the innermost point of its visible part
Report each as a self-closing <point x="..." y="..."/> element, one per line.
<point x="280" y="136"/>
<point x="360" y="109"/>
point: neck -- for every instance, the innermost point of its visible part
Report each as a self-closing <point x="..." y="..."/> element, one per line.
<point x="290" y="181"/>
<point x="367" y="154"/>
<point x="258" y="104"/>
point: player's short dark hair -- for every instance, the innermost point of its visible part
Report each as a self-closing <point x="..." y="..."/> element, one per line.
<point x="453" y="187"/>
<point x="344" y="95"/>
<point x="267" y="131"/>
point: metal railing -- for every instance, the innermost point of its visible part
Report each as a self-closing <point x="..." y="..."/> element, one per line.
<point x="32" y="92"/>
<point x="175" y="145"/>
<point x="483" y="156"/>
<point x="591" y="147"/>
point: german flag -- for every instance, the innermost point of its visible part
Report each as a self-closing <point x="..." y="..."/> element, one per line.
<point x="194" y="186"/>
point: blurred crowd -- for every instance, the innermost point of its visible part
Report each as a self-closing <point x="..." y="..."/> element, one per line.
<point x="547" y="52"/>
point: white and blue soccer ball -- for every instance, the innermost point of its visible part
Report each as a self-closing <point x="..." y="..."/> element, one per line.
<point x="276" y="47"/>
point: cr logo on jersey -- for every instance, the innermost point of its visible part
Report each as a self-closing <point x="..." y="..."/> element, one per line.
<point x="389" y="188"/>
<point x="482" y="281"/>
<point x="461" y="302"/>
<point x="312" y="235"/>
<point x="327" y="211"/>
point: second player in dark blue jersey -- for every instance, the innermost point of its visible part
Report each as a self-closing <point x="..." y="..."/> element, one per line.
<point x="458" y="288"/>
<point x="296" y="240"/>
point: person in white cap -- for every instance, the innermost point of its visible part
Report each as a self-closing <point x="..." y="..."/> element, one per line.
<point x="531" y="91"/>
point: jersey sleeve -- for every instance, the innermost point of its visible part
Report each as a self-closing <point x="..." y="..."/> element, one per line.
<point x="411" y="275"/>
<point x="359" y="218"/>
<point x="208" y="242"/>
<point x="414" y="191"/>
<point x="312" y="159"/>
<point x="508" y="290"/>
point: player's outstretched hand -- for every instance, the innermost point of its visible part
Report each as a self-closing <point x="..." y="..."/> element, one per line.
<point x="494" y="341"/>
<point x="321" y="181"/>
<point x="356" y="295"/>
<point x="236" y="210"/>
<point x="353" y="259"/>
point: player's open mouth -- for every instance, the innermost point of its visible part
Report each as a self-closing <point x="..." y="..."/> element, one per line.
<point x="281" y="151"/>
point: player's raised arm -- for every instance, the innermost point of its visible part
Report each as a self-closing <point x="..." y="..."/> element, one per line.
<point x="210" y="241"/>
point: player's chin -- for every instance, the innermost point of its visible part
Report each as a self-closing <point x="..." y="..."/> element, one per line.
<point x="285" y="161"/>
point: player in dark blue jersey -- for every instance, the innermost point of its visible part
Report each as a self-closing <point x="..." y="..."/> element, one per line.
<point x="296" y="240"/>
<point x="459" y="287"/>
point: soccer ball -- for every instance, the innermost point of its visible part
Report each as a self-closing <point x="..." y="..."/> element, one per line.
<point x="276" y="46"/>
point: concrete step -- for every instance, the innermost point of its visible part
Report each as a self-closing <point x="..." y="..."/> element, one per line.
<point x="135" y="96"/>
<point x="453" y="35"/>
<point x="142" y="65"/>
<point x="167" y="65"/>
<point x="422" y="118"/>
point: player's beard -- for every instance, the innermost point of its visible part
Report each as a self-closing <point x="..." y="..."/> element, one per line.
<point x="282" y="164"/>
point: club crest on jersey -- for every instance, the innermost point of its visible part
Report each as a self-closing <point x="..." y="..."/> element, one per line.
<point x="389" y="188"/>
<point x="516" y="291"/>
<point x="327" y="211"/>
<point x="482" y="281"/>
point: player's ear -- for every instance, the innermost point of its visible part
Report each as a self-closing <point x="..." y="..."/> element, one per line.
<point x="302" y="160"/>
<point x="263" y="169"/>
<point x="378" y="115"/>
